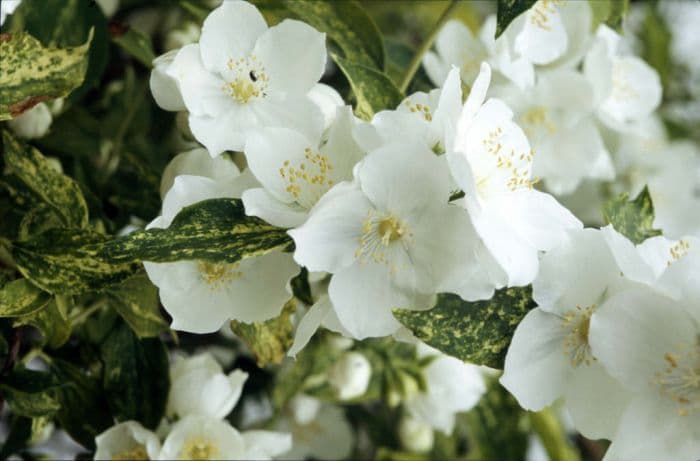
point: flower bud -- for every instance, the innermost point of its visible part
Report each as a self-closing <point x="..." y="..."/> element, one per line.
<point x="350" y="375"/>
<point x="415" y="435"/>
<point x="304" y="408"/>
<point x="34" y="123"/>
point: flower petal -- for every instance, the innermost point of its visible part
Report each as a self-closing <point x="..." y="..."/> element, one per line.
<point x="259" y="202"/>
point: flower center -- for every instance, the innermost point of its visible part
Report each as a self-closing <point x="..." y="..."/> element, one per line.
<point x="578" y="324"/>
<point x="540" y="13"/>
<point x="538" y="123"/>
<point x="379" y="232"/>
<point x="247" y="79"/>
<point x="420" y="109"/>
<point x="621" y="88"/>
<point x="136" y="453"/>
<point x="218" y="275"/>
<point x="680" y="378"/>
<point x="309" y="179"/>
<point x="199" y="448"/>
<point x="510" y="167"/>
<point x="678" y="250"/>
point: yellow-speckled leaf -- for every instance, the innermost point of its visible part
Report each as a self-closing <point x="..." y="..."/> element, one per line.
<point x="348" y="25"/>
<point x="21" y="297"/>
<point x="136" y="300"/>
<point x="269" y="341"/>
<point x="31" y="73"/>
<point x="373" y="89"/>
<point x="65" y="261"/>
<point x="53" y="188"/>
<point x="477" y="332"/>
<point x="632" y="218"/>
<point x="52" y="321"/>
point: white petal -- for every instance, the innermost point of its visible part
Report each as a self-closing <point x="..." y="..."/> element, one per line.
<point x="403" y="178"/>
<point x="537" y="370"/>
<point x="265" y="445"/>
<point x="309" y="324"/>
<point x="595" y="401"/>
<point x="225" y="132"/>
<point x="297" y="113"/>
<point x="577" y="273"/>
<point x="629" y="260"/>
<point x="328" y="239"/>
<point x="631" y="333"/>
<point x="223" y="439"/>
<point x="164" y="87"/>
<point x="230" y="32"/>
<point x="512" y="252"/>
<point x="435" y="67"/>
<point x="125" y="437"/>
<point x="636" y="90"/>
<point x="475" y="99"/>
<point x="259" y="202"/>
<point x="328" y="100"/>
<point x="202" y="91"/>
<point x="363" y="296"/>
<point x="294" y="56"/>
<point x="543" y="37"/>
<point x="198" y="162"/>
<point x="188" y="190"/>
<point x="650" y="431"/>
<point x="271" y="149"/>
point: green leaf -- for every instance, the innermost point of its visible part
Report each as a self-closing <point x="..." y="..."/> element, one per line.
<point x="21" y="297"/>
<point x="656" y="40"/>
<point x="498" y="427"/>
<point x="64" y="261"/>
<point x="82" y="402"/>
<point x="134" y="43"/>
<point x="348" y="25"/>
<point x="136" y="301"/>
<point x="508" y="10"/>
<point x="217" y="230"/>
<point x="634" y="219"/>
<point x="269" y="341"/>
<point x="610" y="12"/>
<point x="136" y="373"/>
<point x="31" y="73"/>
<point x="29" y="392"/>
<point x="373" y="90"/>
<point x="477" y="332"/>
<point x="55" y="189"/>
<point x="52" y="321"/>
<point x="66" y="23"/>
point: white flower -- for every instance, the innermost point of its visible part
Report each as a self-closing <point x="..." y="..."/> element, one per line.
<point x="626" y="88"/>
<point x="202" y="437"/>
<point x="198" y="385"/>
<point x="297" y="171"/>
<point x="350" y="375"/>
<point x="197" y="162"/>
<point x="325" y="435"/>
<point x="550" y="354"/>
<point x="492" y="163"/>
<point x="455" y="45"/>
<point x="243" y="75"/>
<point x="650" y="344"/>
<point x="328" y="100"/>
<point x="452" y="387"/>
<point x="390" y="239"/>
<point x="425" y="118"/>
<point x="33" y="123"/>
<point x="557" y="117"/>
<point x="127" y="440"/>
<point x="7" y="7"/>
<point x="552" y="32"/>
<point x="164" y="88"/>
<point x="200" y="296"/>
<point x="416" y="435"/>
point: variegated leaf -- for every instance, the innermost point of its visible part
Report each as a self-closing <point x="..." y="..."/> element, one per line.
<point x="632" y="218"/>
<point x="53" y="188"/>
<point x="21" y="297"/>
<point x="76" y="261"/>
<point x="477" y="332"/>
<point x="31" y="73"/>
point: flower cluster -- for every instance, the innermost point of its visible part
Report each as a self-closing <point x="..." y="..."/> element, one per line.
<point x="328" y="251"/>
<point x="372" y="205"/>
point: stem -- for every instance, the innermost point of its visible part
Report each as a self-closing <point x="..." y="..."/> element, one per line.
<point x="81" y="316"/>
<point x="425" y="46"/>
<point x="553" y="436"/>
